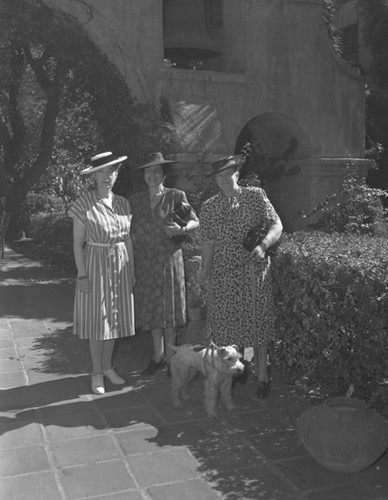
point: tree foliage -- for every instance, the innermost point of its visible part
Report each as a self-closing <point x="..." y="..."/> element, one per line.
<point x="375" y="32"/>
<point x="61" y="99"/>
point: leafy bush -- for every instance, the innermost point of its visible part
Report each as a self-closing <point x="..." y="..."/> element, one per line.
<point x="356" y="209"/>
<point x="53" y="240"/>
<point x="331" y="293"/>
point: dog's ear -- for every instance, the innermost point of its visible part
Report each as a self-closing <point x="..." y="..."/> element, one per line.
<point x="236" y="347"/>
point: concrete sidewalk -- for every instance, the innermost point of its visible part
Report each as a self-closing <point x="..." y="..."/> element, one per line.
<point x="58" y="441"/>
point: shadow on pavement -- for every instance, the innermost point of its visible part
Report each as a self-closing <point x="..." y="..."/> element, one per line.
<point x="52" y="301"/>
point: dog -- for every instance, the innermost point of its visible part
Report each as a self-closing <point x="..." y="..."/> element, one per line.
<point x="218" y="365"/>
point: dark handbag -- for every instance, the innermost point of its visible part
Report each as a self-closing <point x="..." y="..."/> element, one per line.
<point x="255" y="236"/>
<point x="181" y="214"/>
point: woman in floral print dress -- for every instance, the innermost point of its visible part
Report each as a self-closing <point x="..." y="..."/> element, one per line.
<point x="160" y="293"/>
<point x="225" y="220"/>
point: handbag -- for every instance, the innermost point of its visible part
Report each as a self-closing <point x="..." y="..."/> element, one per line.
<point x="181" y="214"/>
<point x="255" y="236"/>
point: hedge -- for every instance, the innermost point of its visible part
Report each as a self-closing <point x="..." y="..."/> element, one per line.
<point x="331" y="293"/>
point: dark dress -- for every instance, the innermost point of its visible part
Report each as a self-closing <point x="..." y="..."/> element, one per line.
<point x="226" y="221"/>
<point x="160" y="292"/>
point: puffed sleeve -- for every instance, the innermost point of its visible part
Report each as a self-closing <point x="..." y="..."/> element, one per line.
<point x="183" y="199"/>
<point x="78" y="210"/>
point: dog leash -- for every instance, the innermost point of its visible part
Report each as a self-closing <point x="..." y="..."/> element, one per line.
<point x="210" y="348"/>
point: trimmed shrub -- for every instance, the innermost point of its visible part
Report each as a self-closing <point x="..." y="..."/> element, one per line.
<point x="331" y="294"/>
<point x="356" y="209"/>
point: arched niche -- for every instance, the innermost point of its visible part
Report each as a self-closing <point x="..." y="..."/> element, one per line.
<point x="276" y="143"/>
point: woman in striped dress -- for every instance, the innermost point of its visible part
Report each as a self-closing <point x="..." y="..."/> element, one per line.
<point x="103" y="306"/>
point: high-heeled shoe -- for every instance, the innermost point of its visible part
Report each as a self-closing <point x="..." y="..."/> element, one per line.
<point x="262" y="390"/>
<point x="113" y="378"/>
<point x="98" y="384"/>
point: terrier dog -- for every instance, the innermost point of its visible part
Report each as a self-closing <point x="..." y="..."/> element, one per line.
<point x="217" y="364"/>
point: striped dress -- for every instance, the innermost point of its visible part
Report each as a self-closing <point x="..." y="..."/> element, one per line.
<point x="107" y="311"/>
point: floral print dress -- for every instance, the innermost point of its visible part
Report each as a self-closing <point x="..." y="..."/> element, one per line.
<point x="160" y="292"/>
<point x="226" y="221"/>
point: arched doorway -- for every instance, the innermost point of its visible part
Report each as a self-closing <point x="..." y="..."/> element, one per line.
<point x="274" y="143"/>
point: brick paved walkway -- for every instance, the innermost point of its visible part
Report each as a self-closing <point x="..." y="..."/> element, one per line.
<point x="57" y="441"/>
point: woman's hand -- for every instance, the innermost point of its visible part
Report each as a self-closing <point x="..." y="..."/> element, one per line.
<point x="83" y="285"/>
<point x="173" y="229"/>
<point x="258" y="254"/>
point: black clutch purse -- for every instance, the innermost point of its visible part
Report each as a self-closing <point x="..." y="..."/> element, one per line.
<point x="181" y="215"/>
<point x="255" y="236"/>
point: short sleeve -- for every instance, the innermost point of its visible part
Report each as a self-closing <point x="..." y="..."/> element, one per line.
<point x="270" y="212"/>
<point x="193" y="215"/>
<point x="78" y="210"/>
<point x="126" y="204"/>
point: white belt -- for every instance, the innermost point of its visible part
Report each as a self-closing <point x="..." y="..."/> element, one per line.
<point x="108" y="245"/>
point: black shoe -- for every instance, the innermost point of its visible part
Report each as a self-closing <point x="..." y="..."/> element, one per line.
<point x="154" y="366"/>
<point x="262" y="390"/>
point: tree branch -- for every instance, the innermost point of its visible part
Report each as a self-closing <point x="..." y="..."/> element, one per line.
<point x="37" y="68"/>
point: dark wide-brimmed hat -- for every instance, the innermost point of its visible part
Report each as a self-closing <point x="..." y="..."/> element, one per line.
<point x="225" y="163"/>
<point x="155" y="159"/>
<point x="102" y="160"/>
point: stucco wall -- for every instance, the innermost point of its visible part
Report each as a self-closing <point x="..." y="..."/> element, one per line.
<point x="282" y="62"/>
<point x="277" y="58"/>
<point x="277" y="63"/>
<point x="128" y="32"/>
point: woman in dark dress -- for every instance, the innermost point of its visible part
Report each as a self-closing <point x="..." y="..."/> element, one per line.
<point x="225" y="221"/>
<point x="160" y="293"/>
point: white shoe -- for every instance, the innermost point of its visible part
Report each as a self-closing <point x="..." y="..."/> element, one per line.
<point x="98" y="384"/>
<point x="113" y="378"/>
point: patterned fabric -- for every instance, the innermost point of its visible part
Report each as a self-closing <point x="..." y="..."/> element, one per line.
<point x="160" y="293"/>
<point x="226" y="221"/>
<point x="107" y="311"/>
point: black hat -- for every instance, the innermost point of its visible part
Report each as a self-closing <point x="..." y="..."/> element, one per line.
<point x="225" y="163"/>
<point x="155" y="159"/>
